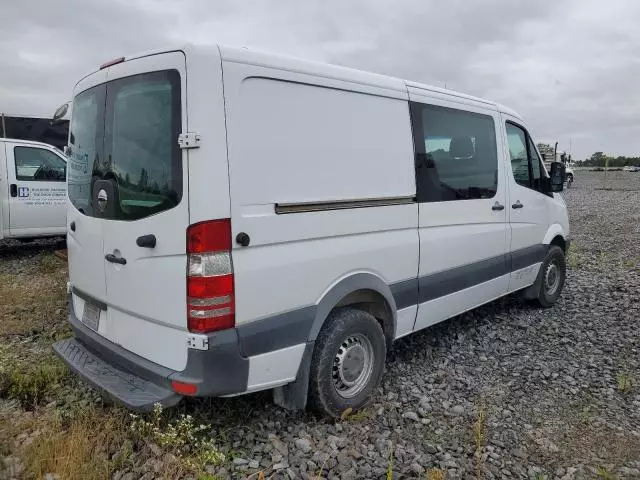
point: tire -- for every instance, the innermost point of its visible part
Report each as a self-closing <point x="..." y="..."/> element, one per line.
<point x="551" y="277"/>
<point x="347" y="363"/>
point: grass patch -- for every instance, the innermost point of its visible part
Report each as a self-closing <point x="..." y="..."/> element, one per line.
<point x="50" y="263"/>
<point x="33" y="303"/>
<point x="180" y="437"/>
<point x="78" y="447"/>
<point x="31" y="384"/>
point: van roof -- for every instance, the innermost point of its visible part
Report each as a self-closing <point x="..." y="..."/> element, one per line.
<point x="293" y="64"/>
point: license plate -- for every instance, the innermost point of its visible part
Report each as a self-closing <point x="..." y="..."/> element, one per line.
<point x="91" y="316"/>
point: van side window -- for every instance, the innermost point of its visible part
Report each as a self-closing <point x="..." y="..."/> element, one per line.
<point x="456" y="154"/>
<point x="525" y="161"/>
<point x="38" y="165"/>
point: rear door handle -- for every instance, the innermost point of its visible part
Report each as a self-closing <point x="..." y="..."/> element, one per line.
<point x="146" y="241"/>
<point x="497" y="206"/>
<point x="13" y="189"/>
<point x="110" y="257"/>
<point x="517" y="204"/>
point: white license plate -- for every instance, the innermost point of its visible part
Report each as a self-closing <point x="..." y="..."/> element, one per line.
<point x="91" y="316"/>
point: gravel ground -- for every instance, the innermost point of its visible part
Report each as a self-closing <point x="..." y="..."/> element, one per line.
<point x="505" y="391"/>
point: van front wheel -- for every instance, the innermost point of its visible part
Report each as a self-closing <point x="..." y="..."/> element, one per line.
<point x="348" y="362"/>
<point x="553" y="272"/>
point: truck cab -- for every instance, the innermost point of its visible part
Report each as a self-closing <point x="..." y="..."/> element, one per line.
<point x="33" y="190"/>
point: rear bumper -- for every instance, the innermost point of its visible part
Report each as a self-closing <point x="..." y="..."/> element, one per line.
<point x="138" y="383"/>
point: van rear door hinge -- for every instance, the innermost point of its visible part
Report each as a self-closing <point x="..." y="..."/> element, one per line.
<point x="189" y="140"/>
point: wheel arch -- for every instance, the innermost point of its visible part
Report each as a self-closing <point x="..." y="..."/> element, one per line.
<point x="556" y="236"/>
<point x="363" y="290"/>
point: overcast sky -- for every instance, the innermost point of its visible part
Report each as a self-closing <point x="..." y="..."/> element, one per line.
<point x="570" y="67"/>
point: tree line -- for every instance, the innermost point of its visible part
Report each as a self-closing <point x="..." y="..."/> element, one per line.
<point x="599" y="159"/>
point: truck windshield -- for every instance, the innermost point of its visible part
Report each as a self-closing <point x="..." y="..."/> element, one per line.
<point x="126" y="132"/>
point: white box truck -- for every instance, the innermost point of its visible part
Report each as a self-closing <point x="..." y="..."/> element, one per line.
<point x="33" y="191"/>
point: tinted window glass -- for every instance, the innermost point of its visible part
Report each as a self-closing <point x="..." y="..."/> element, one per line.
<point x="456" y="154"/>
<point x="124" y="136"/>
<point x="517" y="140"/>
<point x="38" y="165"/>
<point x="141" y="140"/>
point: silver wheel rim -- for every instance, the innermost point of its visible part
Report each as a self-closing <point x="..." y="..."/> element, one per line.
<point x="551" y="278"/>
<point x="352" y="365"/>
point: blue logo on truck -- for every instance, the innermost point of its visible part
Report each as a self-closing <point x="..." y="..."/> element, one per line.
<point x="23" y="192"/>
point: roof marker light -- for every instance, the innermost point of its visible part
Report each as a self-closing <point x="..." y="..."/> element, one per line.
<point x="111" y="62"/>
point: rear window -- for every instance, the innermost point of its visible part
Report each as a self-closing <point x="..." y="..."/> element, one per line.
<point x="124" y="134"/>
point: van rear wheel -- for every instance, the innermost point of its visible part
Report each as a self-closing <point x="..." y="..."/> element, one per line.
<point x="348" y="362"/>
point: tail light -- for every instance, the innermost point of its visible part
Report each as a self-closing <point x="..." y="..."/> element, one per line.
<point x="210" y="291"/>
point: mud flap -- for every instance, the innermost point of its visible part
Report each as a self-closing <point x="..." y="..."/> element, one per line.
<point x="293" y="396"/>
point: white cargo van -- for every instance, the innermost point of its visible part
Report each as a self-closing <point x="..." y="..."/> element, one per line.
<point x="33" y="192"/>
<point x="240" y="221"/>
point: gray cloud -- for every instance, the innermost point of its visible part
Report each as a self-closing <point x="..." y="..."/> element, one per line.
<point x="570" y="67"/>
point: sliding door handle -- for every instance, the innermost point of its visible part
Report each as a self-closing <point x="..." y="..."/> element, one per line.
<point x="517" y="204"/>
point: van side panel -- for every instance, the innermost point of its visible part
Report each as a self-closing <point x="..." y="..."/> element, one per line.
<point x="296" y="140"/>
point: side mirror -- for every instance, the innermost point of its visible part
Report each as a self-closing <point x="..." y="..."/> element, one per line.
<point x="557" y="176"/>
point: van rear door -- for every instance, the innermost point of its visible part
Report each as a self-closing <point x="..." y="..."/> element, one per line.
<point x="139" y="193"/>
<point x="84" y="229"/>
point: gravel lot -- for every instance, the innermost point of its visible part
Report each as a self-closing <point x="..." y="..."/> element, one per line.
<point x="505" y="391"/>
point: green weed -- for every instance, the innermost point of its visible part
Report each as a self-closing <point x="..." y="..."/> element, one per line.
<point x="31" y="384"/>
<point x="625" y="383"/>
<point x="573" y="256"/>
<point x="49" y="263"/>
<point x="180" y="436"/>
<point x="436" y="474"/>
<point x="605" y="474"/>
<point x="480" y="437"/>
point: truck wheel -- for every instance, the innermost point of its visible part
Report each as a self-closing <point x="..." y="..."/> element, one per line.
<point x="553" y="272"/>
<point x="348" y="362"/>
